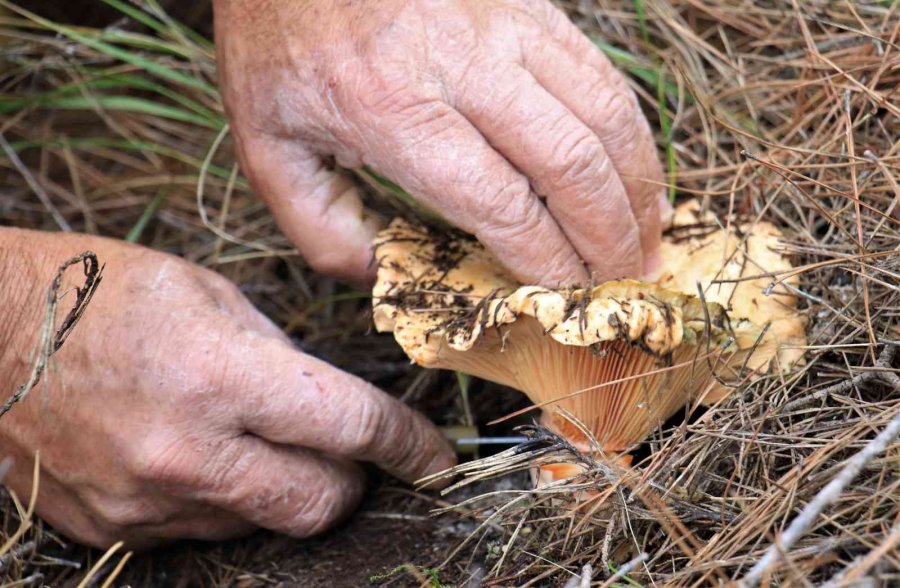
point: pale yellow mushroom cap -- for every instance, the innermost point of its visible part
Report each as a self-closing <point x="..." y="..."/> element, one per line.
<point x="698" y="250"/>
<point x="621" y="357"/>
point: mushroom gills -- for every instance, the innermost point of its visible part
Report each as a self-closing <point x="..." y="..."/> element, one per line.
<point x="618" y="391"/>
<point x="621" y="357"/>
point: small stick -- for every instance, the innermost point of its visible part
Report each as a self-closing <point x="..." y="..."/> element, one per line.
<point x="50" y="341"/>
<point x="16" y="552"/>
<point x="848" y="576"/>
<point x="882" y="367"/>
<point x="828" y="495"/>
<point x="583" y="580"/>
<point x="86" y="581"/>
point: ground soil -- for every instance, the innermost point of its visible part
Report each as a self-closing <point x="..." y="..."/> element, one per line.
<point x="392" y="530"/>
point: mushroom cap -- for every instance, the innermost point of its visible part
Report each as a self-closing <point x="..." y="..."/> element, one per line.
<point x="728" y="262"/>
<point x="621" y="357"/>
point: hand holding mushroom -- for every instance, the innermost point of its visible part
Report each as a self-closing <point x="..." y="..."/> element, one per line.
<point x="608" y="365"/>
<point x="184" y="412"/>
<point x="498" y="114"/>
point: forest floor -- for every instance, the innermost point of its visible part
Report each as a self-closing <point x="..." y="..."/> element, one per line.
<point x="784" y="111"/>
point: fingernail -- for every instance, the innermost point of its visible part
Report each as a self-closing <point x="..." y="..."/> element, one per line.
<point x="666" y="212"/>
<point x="444" y="460"/>
<point x="652" y="266"/>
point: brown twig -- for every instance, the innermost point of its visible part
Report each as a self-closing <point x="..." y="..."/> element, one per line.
<point x="881" y="372"/>
<point x="827" y="496"/>
<point x="51" y="340"/>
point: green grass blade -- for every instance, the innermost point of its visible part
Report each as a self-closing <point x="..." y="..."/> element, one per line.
<point x="642" y="20"/>
<point x="164" y="26"/>
<point x="635" y="66"/>
<point x="665" y="125"/>
<point x="614" y="569"/>
<point x="188" y="32"/>
<point x="464" y="381"/>
<point x="136" y="82"/>
<point x="150" y="66"/>
<point x="619" y="56"/>
<point x="145" y="42"/>
<point x="138" y="229"/>
<point x="137" y="14"/>
<point x="95" y="143"/>
<point x="112" y="103"/>
<point x="401" y="194"/>
<point x="115" y="81"/>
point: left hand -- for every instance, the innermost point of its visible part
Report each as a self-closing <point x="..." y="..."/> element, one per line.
<point x="175" y="409"/>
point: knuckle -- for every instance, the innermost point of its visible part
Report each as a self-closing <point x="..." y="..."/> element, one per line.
<point x="499" y="198"/>
<point x="425" y="120"/>
<point x="510" y="96"/>
<point x="365" y="429"/>
<point x="617" y="113"/>
<point x="627" y="249"/>
<point x="503" y="94"/>
<point x="517" y="17"/>
<point x="319" y="512"/>
<point x="220" y="284"/>
<point x="579" y="161"/>
<point x="125" y="514"/>
<point x="386" y="96"/>
<point x="406" y="455"/>
<point x="546" y="12"/>
<point x="521" y="218"/>
<point x="618" y="104"/>
<point x="388" y="92"/>
<point x="224" y="294"/>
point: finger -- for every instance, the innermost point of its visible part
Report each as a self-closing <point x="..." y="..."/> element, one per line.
<point x="438" y="156"/>
<point x="577" y="73"/>
<point x="319" y="210"/>
<point x="301" y="401"/>
<point x="564" y="159"/>
<point x="285" y="489"/>
<point x="103" y="521"/>
<point x="144" y="516"/>
<point x="213" y="524"/>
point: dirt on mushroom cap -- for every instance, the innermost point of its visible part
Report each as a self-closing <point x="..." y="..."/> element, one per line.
<point x="621" y="357"/>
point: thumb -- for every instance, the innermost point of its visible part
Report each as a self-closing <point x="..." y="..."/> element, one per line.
<point x="319" y="210"/>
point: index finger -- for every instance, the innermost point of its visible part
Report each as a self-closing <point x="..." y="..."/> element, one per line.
<point x="436" y="154"/>
<point x="290" y="398"/>
<point x="574" y="70"/>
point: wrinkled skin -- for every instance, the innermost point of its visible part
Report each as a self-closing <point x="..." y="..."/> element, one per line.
<point x="498" y="114"/>
<point x="175" y="409"/>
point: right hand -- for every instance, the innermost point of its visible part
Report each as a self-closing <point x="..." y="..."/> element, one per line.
<point x="498" y="114"/>
<point x="176" y="410"/>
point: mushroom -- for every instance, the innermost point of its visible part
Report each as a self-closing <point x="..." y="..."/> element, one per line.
<point x="736" y="265"/>
<point x="621" y="357"/>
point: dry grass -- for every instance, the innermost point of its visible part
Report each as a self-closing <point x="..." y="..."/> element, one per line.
<point x="790" y="114"/>
<point x="789" y="111"/>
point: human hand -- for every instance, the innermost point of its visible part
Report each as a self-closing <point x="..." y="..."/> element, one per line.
<point x="175" y="409"/>
<point x="479" y="108"/>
